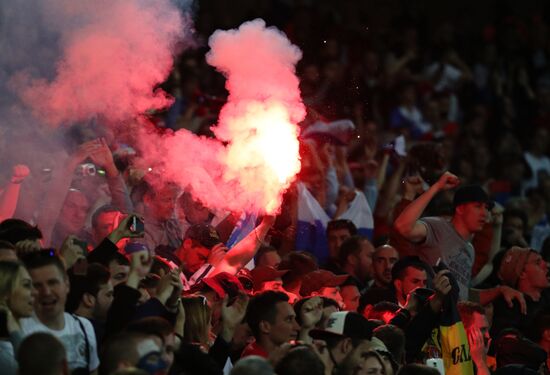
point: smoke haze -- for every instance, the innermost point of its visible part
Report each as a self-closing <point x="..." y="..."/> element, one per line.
<point x="64" y="62"/>
<point x="258" y="158"/>
<point x="112" y="55"/>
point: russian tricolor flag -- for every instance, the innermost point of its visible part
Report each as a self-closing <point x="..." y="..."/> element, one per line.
<point x="313" y="220"/>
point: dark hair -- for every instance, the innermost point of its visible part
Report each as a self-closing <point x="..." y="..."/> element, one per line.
<point x="327" y="302"/>
<point x="299" y="361"/>
<point x="350" y="246"/>
<point x="42" y="259"/>
<point x="5" y="245"/>
<point x="153" y="325"/>
<point x="15" y="230"/>
<point x="252" y="364"/>
<point x="142" y="189"/>
<point x="160" y="264"/>
<point x="119" y="258"/>
<point x="379" y="309"/>
<point x="120" y="347"/>
<point x="146" y="188"/>
<point x="299" y="263"/>
<point x="101" y="210"/>
<point x="466" y="309"/>
<point x="341" y="224"/>
<point x="394" y="339"/>
<point x="263" y="307"/>
<point x="40" y="353"/>
<point x="298" y="306"/>
<point x="96" y="276"/>
<point x="515" y="212"/>
<point x="539" y="323"/>
<point x="400" y="267"/>
<point x="262" y="251"/>
<point x="417" y="369"/>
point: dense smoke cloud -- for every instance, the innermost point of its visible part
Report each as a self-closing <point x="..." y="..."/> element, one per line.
<point x="65" y="62"/>
<point x="111" y="56"/>
<point x="258" y="158"/>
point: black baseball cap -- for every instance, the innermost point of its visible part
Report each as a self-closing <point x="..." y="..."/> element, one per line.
<point x="471" y="193"/>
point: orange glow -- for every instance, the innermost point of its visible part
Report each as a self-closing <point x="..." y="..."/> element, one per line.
<point x="263" y="154"/>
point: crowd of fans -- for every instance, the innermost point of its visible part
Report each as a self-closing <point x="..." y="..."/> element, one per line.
<point x="414" y="240"/>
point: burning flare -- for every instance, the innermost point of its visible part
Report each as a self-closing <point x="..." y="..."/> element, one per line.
<point x="259" y="156"/>
<point x="263" y="108"/>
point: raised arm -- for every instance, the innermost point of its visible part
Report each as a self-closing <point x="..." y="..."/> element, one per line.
<point x="407" y="223"/>
<point x="58" y="189"/>
<point x="120" y="197"/>
<point x="244" y="250"/>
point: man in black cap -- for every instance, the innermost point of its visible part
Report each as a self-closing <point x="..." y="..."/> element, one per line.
<point x="344" y="333"/>
<point x="440" y="239"/>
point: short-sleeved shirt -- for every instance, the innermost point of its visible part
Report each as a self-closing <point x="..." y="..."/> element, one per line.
<point x="72" y="337"/>
<point x="445" y="243"/>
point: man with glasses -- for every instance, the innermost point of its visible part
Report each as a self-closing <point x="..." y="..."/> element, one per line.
<point x="525" y="270"/>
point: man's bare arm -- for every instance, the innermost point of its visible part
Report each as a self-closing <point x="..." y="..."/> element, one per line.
<point x="407" y="223"/>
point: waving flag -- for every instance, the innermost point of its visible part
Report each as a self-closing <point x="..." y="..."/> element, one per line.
<point x="313" y="220"/>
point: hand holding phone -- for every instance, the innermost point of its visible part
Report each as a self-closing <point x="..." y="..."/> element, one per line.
<point x="436" y="363"/>
<point x="136" y="225"/>
<point x="130" y="226"/>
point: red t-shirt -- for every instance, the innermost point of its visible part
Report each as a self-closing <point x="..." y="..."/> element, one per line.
<point x="254" y="349"/>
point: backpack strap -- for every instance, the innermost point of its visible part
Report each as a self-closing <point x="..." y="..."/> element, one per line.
<point x="85" y="340"/>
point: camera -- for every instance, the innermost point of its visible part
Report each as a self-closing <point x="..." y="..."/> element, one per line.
<point x="86" y="169"/>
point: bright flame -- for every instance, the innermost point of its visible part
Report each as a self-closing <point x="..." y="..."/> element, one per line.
<point x="254" y="157"/>
<point x="263" y="154"/>
<point x="264" y="106"/>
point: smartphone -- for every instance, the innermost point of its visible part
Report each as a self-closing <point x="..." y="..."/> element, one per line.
<point x="439" y="266"/>
<point x="136" y="225"/>
<point x="436" y="363"/>
<point x="423" y="294"/>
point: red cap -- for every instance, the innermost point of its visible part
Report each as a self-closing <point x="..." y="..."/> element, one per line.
<point x="224" y="284"/>
<point x="261" y="274"/>
<point x="316" y="280"/>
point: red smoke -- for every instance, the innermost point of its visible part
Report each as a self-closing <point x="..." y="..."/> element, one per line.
<point x="258" y="124"/>
<point x="113" y="54"/>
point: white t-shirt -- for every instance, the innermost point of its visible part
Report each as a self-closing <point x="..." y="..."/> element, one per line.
<point x="449" y="77"/>
<point x="72" y="338"/>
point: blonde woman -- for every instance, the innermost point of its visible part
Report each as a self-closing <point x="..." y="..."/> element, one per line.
<point x="198" y="321"/>
<point x="16" y="302"/>
<point x="372" y="363"/>
<point x="196" y="355"/>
